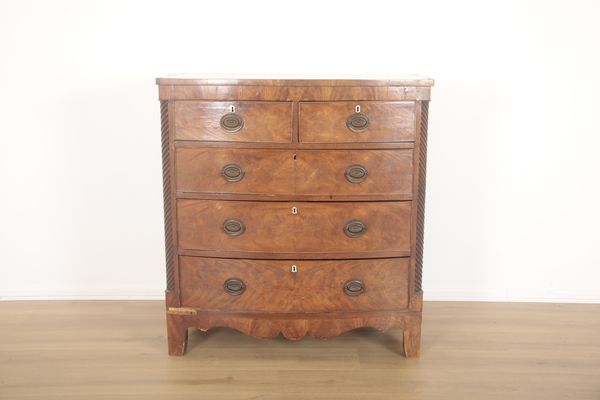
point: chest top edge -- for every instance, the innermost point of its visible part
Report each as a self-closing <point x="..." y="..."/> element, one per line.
<point x="295" y="80"/>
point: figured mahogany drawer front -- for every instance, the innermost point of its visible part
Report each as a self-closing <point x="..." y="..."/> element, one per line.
<point x="221" y="170"/>
<point x="345" y="230"/>
<point x="241" y="121"/>
<point x="294" y="286"/>
<point x="368" y="121"/>
<point x="295" y="172"/>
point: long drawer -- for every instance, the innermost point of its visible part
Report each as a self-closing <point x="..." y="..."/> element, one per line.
<point x="294" y="286"/>
<point x="327" y="230"/>
<point x="295" y="172"/>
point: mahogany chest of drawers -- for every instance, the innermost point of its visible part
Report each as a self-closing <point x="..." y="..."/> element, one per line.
<point x="294" y="206"/>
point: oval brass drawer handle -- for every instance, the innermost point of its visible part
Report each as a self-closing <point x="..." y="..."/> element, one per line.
<point x="233" y="227"/>
<point x="357" y="122"/>
<point x="356" y="173"/>
<point x="354" y="228"/>
<point x="232" y="122"/>
<point x="232" y="172"/>
<point x="354" y="287"/>
<point x="234" y="286"/>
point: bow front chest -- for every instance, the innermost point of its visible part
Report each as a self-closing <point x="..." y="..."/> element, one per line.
<point x="294" y="206"/>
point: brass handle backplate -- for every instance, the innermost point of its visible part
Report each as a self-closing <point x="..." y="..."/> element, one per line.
<point x="354" y="287"/>
<point x="357" y="122"/>
<point x="354" y="228"/>
<point x="234" y="286"/>
<point x="234" y="227"/>
<point x="232" y="172"/>
<point x="356" y="173"/>
<point x="232" y="122"/>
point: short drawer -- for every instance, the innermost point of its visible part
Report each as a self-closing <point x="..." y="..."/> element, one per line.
<point x="294" y="286"/>
<point x="337" y="230"/>
<point x="322" y="173"/>
<point x="244" y="121"/>
<point x="368" y="121"/>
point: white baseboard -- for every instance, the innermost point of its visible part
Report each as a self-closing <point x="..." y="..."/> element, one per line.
<point x="513" y="299"/>
<point x="530" y="295"/>
<point x="83" y="297"/>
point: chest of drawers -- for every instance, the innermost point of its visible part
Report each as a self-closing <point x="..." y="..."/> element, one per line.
<point x="293" y="206"/>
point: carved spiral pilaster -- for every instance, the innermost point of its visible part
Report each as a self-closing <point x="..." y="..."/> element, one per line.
<point x="166" y="166"/>
<point x="421" y="196"/>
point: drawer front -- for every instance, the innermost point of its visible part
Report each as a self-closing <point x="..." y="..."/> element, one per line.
<point x="238" y="171"/>
<point x="338" y="229"/>
<point x="304" y="172"/>
<point x="316" y="286"/>
<point x="377" y="121"/>
<point x="251" y="121"/>
<point x="355" y="172"/>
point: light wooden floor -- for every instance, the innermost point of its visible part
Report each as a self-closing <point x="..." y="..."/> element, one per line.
<point x="117" y="350"/>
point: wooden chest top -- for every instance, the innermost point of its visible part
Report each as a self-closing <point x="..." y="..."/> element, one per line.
<point x="293" y="88"/>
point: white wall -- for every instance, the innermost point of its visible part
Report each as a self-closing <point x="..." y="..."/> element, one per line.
<point x="514" y="185"/>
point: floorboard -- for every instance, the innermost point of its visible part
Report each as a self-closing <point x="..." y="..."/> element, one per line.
<point x="117" y="350"/>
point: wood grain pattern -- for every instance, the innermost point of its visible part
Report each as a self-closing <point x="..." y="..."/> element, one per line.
<point x="470" y="350"/>
<point x="322" y="172"/>
<point x="295" y="146"/>
<point x="316" y="286"/>
<point x="294" y="151"/>
<point x="307" y="173"/>
<point x="296" y="326"/>
<point x="294" y="80"/>
<point x="317" y="228"/>
<point x="282" y="255"/>
<point x="322" y="122"/>
<point x="263" y="121"/>
<point x="266" y="172"/>
<point x="293" y="93"/>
